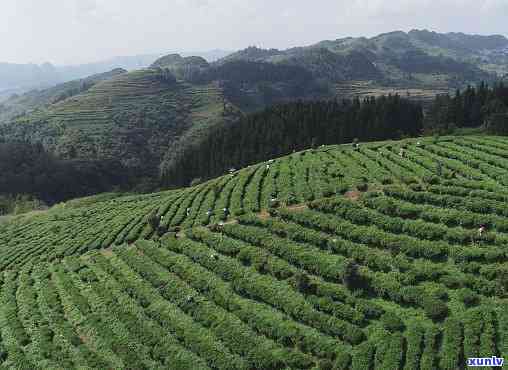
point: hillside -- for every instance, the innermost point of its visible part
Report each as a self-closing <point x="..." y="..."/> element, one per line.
<point x="20" y="78"/>
<point x="367" y="258"/>
<point x="179" y="121"/>
<point x="136" y="119"/>
<point x="18" y="105"/>
<point x="132" y="118"/>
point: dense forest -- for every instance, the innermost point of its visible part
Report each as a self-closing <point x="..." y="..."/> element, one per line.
<point x="295" y="126"/>
<point x="253" y="86"/>
<point x="30" y="170"/>
<point x="472" y="107"/>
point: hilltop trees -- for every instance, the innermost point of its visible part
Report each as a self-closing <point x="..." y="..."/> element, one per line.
<point x="497" y="123"/>
<point x="473" y="107"/>
<point x="295" y="126"/>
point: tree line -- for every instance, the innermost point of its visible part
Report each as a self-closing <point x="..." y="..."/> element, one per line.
<point x="472" y="107"/>
<point x="281" y="129"/>
<point x="29" y="169"/>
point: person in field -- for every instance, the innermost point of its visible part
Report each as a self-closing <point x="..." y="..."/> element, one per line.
<point x="481" y="230"/>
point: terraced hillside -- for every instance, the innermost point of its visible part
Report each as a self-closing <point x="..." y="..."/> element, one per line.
<point x="18" y="105"/>
<point x="366" y="258"/>
<point x="132" y="117"/>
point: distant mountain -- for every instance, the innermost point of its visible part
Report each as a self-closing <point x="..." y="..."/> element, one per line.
<point x="422" y="56"/>
<point x="210" y="56"/>
<point x="249" y="84"/>
<point x="19" y="78"/>
<point x="26" y="76"/>
<point x="414" y="59"/>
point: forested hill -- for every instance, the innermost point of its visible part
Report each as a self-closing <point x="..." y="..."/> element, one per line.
<point x="135" y="118"/>
<point x="420" y="63"/>
<point x="131" y="119"/>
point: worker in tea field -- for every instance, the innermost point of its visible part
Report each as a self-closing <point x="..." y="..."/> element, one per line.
<point x="481" y="230"/>
<point x="402" y="153"/>
<point x="439" y="169"/>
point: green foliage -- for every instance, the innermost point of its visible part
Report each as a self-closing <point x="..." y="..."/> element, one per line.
<point x="20" y="204"/>
<point x="153" y="220"/>
<point x="283" y="129"/>
<point x="497" y="123"/>
<point x="435" y="309"/>
<point x="396" y="279"/>
<point x="124" y="124"/>
<point x="472" y="107"/>
<point x="468" y="297"/>
<point x="392" y="322"/>
<point x="450" y="350"/>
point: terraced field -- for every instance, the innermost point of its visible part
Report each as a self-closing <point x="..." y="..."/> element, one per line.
<point x="132" y="117"/>
<point x="332" y="258"/>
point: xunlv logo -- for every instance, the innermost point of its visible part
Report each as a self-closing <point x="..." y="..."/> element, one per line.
<point x="485" y="361"/>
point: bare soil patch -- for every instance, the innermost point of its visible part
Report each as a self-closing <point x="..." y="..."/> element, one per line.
<point x="297" y="207"/>
<point x="264" y="215"/>
<point x="107" y="252"/>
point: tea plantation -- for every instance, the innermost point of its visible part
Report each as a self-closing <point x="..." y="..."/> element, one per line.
<point x="390" y="255"/>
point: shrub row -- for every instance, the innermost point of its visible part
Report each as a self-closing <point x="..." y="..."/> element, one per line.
<point x="265" y="288"/>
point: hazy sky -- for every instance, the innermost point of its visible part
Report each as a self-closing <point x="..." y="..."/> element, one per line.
<point x="76" y="31"/>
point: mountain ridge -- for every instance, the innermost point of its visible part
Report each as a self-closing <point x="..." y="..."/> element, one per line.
<point x="460" y="55"/>
<point x="20" y="78"/>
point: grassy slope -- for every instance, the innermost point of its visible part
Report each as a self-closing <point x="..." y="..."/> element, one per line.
<point x="267" y="293"/>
